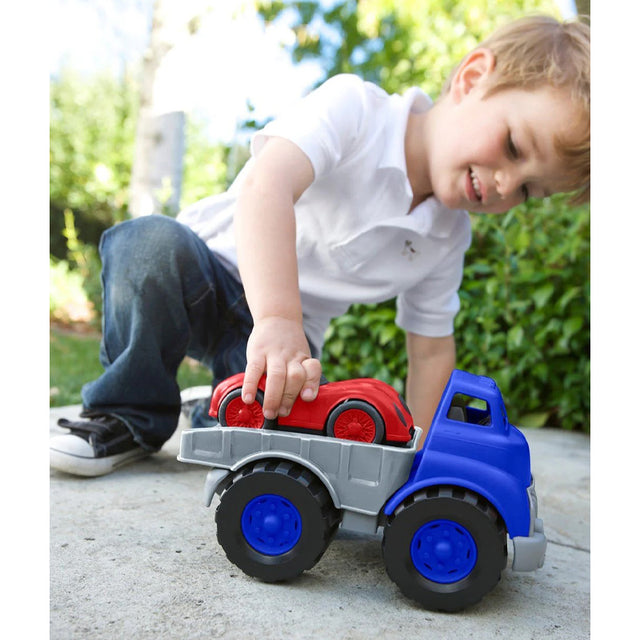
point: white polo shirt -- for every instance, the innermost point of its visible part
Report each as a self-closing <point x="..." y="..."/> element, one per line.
<point x="357" y="241"/>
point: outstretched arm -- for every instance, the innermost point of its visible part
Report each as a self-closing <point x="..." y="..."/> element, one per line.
<point x="266" y="241"/>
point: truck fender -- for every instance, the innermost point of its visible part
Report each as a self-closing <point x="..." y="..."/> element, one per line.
<point x="276" y="455"/>
<point x="214" y="478"/>
<point x="516" y="520"/>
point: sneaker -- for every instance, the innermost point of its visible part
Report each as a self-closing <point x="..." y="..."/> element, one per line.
<point x="195" y="403"/>
<point x="94" y="447"/>
<point x="193" y="396"/>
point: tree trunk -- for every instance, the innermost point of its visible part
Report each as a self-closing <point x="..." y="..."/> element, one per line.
<point x="156" y="179"/>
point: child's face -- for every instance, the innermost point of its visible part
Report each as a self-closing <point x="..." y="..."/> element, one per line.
<point x="491" y="153"/>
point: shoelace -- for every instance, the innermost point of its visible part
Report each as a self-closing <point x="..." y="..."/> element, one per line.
<point x="99" y="425"/>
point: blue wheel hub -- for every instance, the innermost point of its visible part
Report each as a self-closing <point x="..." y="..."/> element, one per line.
<point x="443" y="551"/>
<point x="271" y="524"/>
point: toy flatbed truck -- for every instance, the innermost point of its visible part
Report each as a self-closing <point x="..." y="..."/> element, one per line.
<point x="445" y="510"/>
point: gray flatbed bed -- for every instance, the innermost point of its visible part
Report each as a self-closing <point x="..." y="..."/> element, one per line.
<point x="359" y="477"/>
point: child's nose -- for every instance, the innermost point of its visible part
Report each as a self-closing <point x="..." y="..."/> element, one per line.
<point x="507" y="183"/>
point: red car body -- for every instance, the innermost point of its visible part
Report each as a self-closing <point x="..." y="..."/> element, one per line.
<point x="349" y="409"/>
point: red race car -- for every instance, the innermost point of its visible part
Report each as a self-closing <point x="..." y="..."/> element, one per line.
<point x="362" y="409"/>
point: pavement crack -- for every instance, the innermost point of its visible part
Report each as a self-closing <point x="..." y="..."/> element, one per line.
<point x="568" y="546"/>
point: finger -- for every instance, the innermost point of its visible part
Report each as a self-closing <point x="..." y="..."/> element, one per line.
<point x="296" y="376"/>
<point x="253" y="372"/>
<point x="313" y="370"/>
<point x="273" y="390"/>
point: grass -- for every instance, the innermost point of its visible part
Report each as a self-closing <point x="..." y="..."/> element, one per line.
<point x="73" y="358"/>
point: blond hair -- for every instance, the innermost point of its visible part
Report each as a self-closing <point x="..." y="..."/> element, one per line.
<point x="539" y="50"/>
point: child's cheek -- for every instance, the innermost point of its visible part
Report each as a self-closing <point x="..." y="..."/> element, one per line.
<point x="492" y="146"/>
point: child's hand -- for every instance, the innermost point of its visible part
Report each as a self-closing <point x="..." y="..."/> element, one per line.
<point x="279" y="347"/>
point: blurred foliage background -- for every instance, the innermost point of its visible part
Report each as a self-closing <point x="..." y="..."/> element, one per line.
<point x="525" y="299"/>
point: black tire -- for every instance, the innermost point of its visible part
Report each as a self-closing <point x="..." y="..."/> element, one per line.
<point x="367" y="419"/>
<point x="234" y="399"/>
<point x="413" y="558"/>
<point x="306" y="500"/>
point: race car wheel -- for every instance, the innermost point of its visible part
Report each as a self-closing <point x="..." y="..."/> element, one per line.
<point x="445" y="547"/>
<point x="233" y="412"/>
<point x="356" y="420"/>
<point x="275" y="520"/>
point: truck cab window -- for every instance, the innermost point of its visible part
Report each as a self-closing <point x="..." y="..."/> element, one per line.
<point x="469" y="409"/>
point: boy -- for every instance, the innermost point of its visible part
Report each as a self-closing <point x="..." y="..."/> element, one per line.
<point x="351" y="196"/>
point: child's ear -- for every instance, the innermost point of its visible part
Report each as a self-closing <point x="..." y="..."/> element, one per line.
<point x="472" y="71"/>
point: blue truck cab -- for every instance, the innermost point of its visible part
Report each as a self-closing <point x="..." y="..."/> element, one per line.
<point x="471" y="444"/>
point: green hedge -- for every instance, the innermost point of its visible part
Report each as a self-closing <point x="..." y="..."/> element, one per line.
<point x="524" y="317"/>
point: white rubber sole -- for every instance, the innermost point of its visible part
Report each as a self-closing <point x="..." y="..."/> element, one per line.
<point x="79" y="465"/>
<point x="190" y="396"/>
<point x="195" y="393"/>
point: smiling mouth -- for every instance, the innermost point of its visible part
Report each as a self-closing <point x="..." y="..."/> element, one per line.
<point x="475" y="184"/>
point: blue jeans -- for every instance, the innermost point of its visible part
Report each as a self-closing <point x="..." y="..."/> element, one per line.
<point x="166" y="295"/>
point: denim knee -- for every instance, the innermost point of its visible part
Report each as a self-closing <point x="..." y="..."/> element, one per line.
<point x="148" y="240"/>
<point x="153" y="253"/>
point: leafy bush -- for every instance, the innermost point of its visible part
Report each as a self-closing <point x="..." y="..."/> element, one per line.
<point x="92" y="131"/>
<point x="525" y="310"/>
<point x="524" y="317"/>
<point x="366" y="343"/>
<point x="68" y="301"/>
<point x="83" y="266"/>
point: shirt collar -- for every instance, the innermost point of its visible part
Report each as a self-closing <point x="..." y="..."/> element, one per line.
<point x="434" y="218"/>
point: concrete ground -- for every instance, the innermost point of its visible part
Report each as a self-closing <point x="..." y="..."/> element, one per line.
<point x="134" y="555"/>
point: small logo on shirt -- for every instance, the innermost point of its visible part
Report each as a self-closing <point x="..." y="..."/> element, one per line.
<point x="409" y="251"/>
